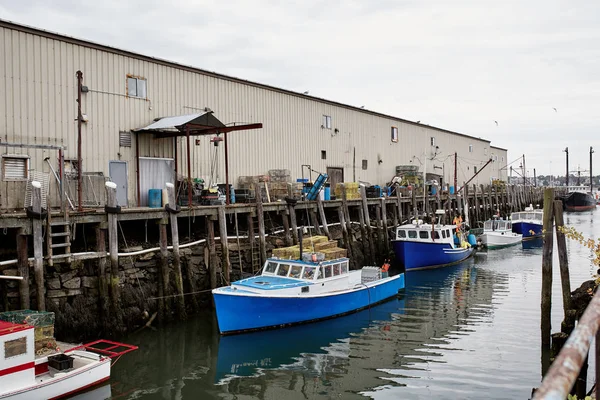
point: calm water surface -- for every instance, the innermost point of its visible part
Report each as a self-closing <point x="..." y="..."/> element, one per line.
<point x="464" y="332"/>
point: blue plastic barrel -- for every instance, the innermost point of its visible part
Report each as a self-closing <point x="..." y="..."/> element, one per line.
<point x="472" y="239"/>
<point x="433" y="190"/>
<point x="327" y="190"/>
<point x="451" y="189"/>
<point x="155" y="198"/>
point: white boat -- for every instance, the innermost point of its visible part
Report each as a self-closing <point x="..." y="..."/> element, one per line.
<point x="23" y="377"/>
<point x="498" y="233"/>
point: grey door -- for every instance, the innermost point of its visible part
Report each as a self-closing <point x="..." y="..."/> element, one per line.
<point x="118" y="174"/>
<point x="335" y="176"/>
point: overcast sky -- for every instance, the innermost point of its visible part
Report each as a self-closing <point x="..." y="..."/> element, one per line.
<point x="458" y="65"/>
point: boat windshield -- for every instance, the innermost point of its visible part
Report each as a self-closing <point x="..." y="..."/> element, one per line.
<point x="487" y="225"/>
<point x="501" y="225"/>
<point x="283" y="269"/>
<point x="296" y="271"/>
<point x="271" y="267"/>
<point x="309" y="272"/>
<point x="401" y="233"/>
<point x="539" y="216"/>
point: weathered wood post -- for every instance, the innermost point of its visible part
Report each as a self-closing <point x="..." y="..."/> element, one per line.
<point x="293" y="222"/>
<point x="38" y="244"/>
<point x="102" y="284"/>
<point x="212" y="252"/>
<point x="163" y="270"/>
<point x="286" y="227"/>
<point x="363" y="231"/>
<point x="261" y="225"/>
<point x="113" y="243"/>
<point x="363" y="197"/>
<point x="315" y="220"/>
<point x="399" y="205"/>
<point x="414" y="202"/>
<point x="547" y="266"/>
<point x="562" y="255"/>
<point x="225" y="262"/>
<point x="475" y="205"/>
<point x="175" y="243"/>
<point x="346" y="211"/>
<point x="386" y="238"/>
<point x="23" y="268"/>
<point x="251" y="237"/>
<point x="323" y="218"/>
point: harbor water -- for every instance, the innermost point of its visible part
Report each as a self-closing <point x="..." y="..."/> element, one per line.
<point x="469" y="331"/>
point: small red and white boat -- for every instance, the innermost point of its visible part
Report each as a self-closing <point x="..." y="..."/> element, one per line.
<point x="22" y="376"/>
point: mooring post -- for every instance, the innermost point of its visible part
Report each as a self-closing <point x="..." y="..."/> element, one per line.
<point x="175" y="243"/>
<point x="113" y="244"/>
<point x="250" y="222"/>
<point x="363" y="197"/>
<point x="212" y="252"/>
<point x="315" y="220"/>
<point x="379" y="229"/>
<point x="38" y="244"/>
<point x="292" y="212"/>
<point x="414" y="202"/>
<point x="261" y="225"/>
<point x="363" y="231"/>
<point x="163" y="266"/>
<point x="343" y="226"/>
<point x="23" y="268"/>
<point x="563" y="260"/>
<point x="346" y="211"/>
<point x="102" y="284"/>
<point x="399" y="205"/>
<point x="547" y="266"/>
<point x="225" y="262"/>
<point x="286" y="227"/>
<point x="323" y="218"/>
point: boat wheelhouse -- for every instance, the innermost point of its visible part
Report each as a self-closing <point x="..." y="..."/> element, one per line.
<point x="420" y="246"/>
<point x="295" y="291"/>
<point x="528" y="223"/>
<point x="498" y="233"/>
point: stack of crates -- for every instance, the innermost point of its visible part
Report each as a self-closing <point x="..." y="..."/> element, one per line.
<point x="352" y="190"/>
<point x="370" y="274"/>
<point x="317" y="244"/>
<point x="43" y="323"/>
<point x="279" y="180"/>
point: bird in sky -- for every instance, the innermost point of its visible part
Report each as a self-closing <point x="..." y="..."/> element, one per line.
<point x="496" y="123"/>
<point x="555" y="110"/>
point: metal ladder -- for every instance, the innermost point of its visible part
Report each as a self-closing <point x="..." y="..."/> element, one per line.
<point x="58" y="236"/>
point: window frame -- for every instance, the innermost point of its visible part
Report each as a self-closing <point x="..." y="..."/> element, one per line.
<point x="432" y="140"/>
<point x="470" y="148"/>
<point x="137" y="78"/>
<point x="327" y="121"/>
<point x="365" y="165"/>
<point x="23" y="343"/>
<point x="394" y="133"/>
<point x="424" y="235"/>
<point x="23" y="157"/>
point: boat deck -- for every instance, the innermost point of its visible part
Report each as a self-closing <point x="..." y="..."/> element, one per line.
<point x="271" y="282"/>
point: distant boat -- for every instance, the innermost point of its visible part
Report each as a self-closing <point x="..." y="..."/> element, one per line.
<point x="578" y="200"/>
<point x="290" y="292"/>
<point x="420" y="246"/>
<point x="528" y="223"/>
<point x="498" y="234"/>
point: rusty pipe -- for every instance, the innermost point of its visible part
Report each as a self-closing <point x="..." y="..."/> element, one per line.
<point x="563" y="372"/>
<point x="79" y="121"/>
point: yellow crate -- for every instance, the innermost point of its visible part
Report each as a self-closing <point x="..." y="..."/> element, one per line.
<point x="43" y="332"/>
<point x="326" y="245"/>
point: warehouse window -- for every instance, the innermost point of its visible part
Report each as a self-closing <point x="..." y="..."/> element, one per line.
<point x="432" y="141"/>
<point x="364" y="164"/>
<point x="474" y="170"/>
<point x="485" y="151"/>
<point x="15" y="167"/>
<point x="326" y="122"/>
<point x="136" y="86"/>
<point x="323" y="155"/>
<point x="394" y="134"/>
<point x="470" y="148"/>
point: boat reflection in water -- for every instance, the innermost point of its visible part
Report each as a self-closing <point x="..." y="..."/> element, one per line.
<point x="533" y="243"/>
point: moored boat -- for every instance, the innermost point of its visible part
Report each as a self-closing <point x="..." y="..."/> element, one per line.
<point x="22" y="376"/>
<point x="290" y="292"/>
<point x="498" y="234"/>
<point x="579" y="201"/>
<point x="420" y="246"/>
<point x="528" y="223"/>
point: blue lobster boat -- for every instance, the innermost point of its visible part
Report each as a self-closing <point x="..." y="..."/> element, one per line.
<point x="290" y="292"/>
<point x="528" y="223"/>
<point x="421" y="246"/>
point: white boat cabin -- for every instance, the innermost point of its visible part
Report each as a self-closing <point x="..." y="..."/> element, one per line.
<point x="17" y="368"/>
<point x="497" y="225"/>
<point x="419" y="232"/>
<point x="529" y="215"/>
<point x="305" y="271"/>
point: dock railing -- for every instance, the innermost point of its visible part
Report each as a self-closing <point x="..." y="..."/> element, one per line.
<point x="563" y="372"/>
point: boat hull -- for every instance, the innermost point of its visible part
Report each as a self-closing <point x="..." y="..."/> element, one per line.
<point x="499" y="240"/>
<point x="65" y="386"/>
<point x="579" y="201"/>
<point x="529" y="230"/>
<point x="415" y="255"/>
<point x="241" y="312"/>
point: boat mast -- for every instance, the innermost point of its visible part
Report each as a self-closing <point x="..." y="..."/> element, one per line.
<point x="591" y="176"/>
<point x="455" y="177"/>
<point x="566" y="150"/>
<point x="524" y="172"/>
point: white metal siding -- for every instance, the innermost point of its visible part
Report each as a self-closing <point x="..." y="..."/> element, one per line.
<point x="38" y="91"/>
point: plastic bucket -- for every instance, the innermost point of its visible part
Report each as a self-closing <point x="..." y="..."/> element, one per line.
<point x="451" y="189"/>
<point x="433" y="190"/>
<point x="327" y="192"/>
<point x="155" y="198"/>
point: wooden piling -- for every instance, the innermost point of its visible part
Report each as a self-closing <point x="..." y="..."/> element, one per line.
<point x="467" y="204"/>
<point x="414" y="202"/>
<point x="163" y="270"/>
<point x="294" y="224"/>
<point x="38" y="244"/>
<point x="102" y="284"/>
<point x="346" y="212"/>
<point x="212" y="252"/>
<point x="547" y="266"/>
<point x="176" y="256"/>
<point x="344" y="228"/>
<point x="363" y="232"/>
<point x="113" y="245"/>
<point x="225" y="262"/>
<point x="484" y="209"/>
<point x="286" y="228"/>
<point x="386" y="238"/>
<point x="23" y="268"/>
<point x="399" y="205"/>
<point x="251" y="237"/>
<point x="262" y="244"/>
<point x="363" y="197"/>
<point x="315" y="220"/>
<point x="323" y="218"/>
<point x="562" y="256"/>
<point x="379" y="229"/>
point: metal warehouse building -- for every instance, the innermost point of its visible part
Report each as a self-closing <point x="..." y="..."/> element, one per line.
<point x="125" y="92"/>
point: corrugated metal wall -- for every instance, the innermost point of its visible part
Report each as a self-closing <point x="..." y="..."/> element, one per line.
<point x="38" y="91"/>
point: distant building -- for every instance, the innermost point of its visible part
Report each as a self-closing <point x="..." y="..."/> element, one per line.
<point x="125" y="91"/>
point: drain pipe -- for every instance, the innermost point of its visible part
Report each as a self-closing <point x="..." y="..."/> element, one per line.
<point x="79" y="121"/>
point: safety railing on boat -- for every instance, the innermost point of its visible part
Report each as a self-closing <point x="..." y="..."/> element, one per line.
<point x="563" y="372"/>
